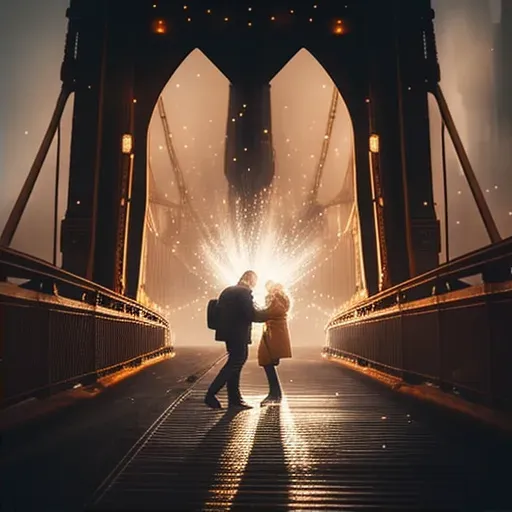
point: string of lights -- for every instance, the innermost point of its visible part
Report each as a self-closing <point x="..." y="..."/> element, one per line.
<point x="171" y="18"/>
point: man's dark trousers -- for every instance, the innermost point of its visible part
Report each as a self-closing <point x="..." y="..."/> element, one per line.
<point x="229" y="375"/>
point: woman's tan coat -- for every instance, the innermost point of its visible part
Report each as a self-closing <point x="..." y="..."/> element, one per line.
<point x="275" y="341"/>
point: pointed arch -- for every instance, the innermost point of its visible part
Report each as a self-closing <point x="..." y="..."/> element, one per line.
<point x="183" y="106"/>
<point x="324" y="69"/>
<point x="314" y="145"/>
<point x="155" y="71"/>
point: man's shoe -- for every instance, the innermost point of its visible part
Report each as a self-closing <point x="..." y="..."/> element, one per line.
<point x="240" y="405"/>
<point x="270" y="400"/>
<point x="212" y="402"/>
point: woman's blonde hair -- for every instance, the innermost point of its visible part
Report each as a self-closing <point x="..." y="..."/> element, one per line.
<point x="278" y="290"/>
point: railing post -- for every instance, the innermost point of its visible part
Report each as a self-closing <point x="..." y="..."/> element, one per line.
<point x="49" y="355"/>
<point x="95" y="336"/>
<point x="491" y="391"/>
<point x="94" y="342"/>
<point x="440" y="289"/>
<point x="401" y="336"/>
<point x="92" y="364"/>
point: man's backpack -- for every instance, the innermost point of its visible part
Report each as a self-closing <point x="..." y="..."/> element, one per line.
<point x="212" y="314"/>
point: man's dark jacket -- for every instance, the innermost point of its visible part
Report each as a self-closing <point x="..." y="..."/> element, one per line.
<point x="235" y="315"/>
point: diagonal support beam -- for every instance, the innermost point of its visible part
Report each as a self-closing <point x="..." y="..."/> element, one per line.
<point x="346" y="194"/>
<point x="313" y="195"/>
<point x="21" y="203"/>
<point x="483" y="207"/>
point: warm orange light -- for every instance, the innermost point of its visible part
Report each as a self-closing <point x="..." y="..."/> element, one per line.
<point x="126" y="144"/>
<point x="160" y="27"/>
<point x="374" y="143"/>
<point x="339" y="28"/>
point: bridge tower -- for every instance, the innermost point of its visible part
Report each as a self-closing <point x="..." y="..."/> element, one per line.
<point x="381" y="56"/>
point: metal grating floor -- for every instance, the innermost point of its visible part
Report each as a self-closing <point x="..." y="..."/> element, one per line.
<point x="337" y="442"/>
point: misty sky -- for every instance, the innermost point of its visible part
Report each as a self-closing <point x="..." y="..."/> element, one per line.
<point x="32" y="37"/>
<point x="32" y="41"/>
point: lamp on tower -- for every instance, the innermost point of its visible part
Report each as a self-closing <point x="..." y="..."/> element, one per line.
<point x="339" y="28"/>
<point x="127" y="144"/>
<point x="374" y="143"/>
<point x="159" y="26"/>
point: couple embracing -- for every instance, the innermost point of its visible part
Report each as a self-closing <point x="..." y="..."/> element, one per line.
<point x="232" y="316"/>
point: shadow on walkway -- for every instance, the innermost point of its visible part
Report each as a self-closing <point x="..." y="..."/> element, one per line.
<point x="239" y="463"/>
<point x="266" y="480"/>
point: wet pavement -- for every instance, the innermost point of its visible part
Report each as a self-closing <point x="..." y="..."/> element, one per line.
<point x="56" y="462"/>
<point x="339" y="441"/>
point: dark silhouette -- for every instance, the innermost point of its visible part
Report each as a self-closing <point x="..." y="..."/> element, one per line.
<point x="203" y="467"/>
<point x="267" y="477"/>
<point x="235" y="313"/>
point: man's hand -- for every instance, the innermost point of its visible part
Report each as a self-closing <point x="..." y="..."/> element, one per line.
<point x="262" y="315"/>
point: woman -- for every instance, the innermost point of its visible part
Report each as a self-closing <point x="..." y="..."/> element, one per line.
<point x="275" y="341"/>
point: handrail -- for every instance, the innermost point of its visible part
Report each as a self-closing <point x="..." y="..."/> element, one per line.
<point x="24" y="265"/>
<point x="464" y="266"/>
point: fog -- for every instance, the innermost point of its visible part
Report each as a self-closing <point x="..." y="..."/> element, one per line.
<point x="180" y="276"/>
<point x="32" y="35"/>
<point x="472" y="50"/>
<point x="470" y="39"/>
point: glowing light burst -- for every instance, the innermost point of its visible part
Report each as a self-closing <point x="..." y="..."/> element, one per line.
<point x="267" y="246"/>
<point x="202" y="238"/>
<point x="278" y="243"/>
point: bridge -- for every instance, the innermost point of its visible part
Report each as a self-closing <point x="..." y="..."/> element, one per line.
<point x="398" y="395"/>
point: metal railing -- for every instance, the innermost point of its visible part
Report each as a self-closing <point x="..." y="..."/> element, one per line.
<point x="438" y="329"/>
<point x="58" y="330"/>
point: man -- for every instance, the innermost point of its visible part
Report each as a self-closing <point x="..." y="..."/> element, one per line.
<point x="235" y="315"/>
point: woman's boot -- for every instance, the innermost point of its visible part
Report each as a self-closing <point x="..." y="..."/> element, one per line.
<point x="275" y="394"/>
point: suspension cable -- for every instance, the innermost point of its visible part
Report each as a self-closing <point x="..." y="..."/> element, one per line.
<point x="445" y="192"/>
<point x="313" y="195"/>
<point x="178" y="173"/>
<point x="474" y="185"/>
<point x="26" y="191"/>
<point x="346" y="194"/>
<point x="185" y="199"/>
<point x="56" y="199"/>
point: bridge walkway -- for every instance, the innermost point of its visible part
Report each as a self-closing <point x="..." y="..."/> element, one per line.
<point x="338" y="441"/>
